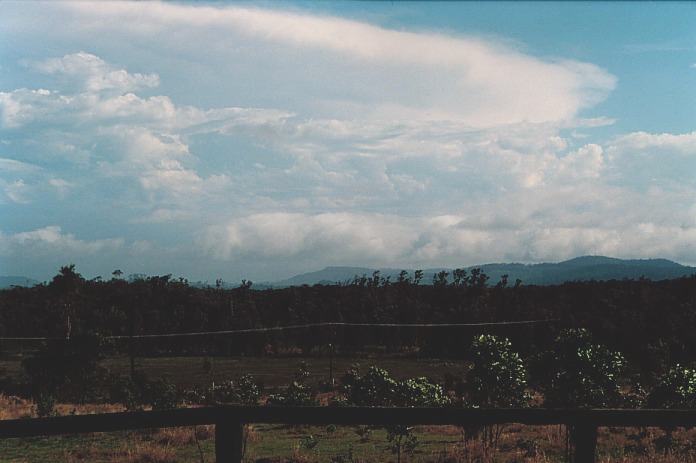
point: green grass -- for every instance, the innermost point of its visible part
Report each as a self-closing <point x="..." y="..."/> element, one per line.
<point x="272" y="371"/>
<point x="277" y="443"/>
<point x="267" y="441"/>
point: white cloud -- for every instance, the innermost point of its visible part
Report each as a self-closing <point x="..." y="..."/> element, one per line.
<point x="17" y="191"/>
<point x="342" y="235"/>
<point x="379" y="239"/>
<point x="373" y="70"/>
<point x="51" y="239"/>
<point x="61" y="186"/>
<point x="643" y="160"/>
<point x="643" y="140"/>
<point x="12" y="165"/>
<point x="96" y="74"/>
<point x="317" y="140"/>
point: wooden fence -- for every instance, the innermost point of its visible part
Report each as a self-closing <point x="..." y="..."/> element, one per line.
<point x="229" y="422"/>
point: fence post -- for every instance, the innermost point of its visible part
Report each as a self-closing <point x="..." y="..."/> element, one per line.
<point x="584" y="437"/>
<point x="229" y="441"/>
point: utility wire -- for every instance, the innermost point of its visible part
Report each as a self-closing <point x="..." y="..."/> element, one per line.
<point x="306" y="325"/>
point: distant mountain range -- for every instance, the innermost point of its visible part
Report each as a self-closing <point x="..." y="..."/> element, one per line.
<point x="578" y="269"/>
<point x="9" y="281"/>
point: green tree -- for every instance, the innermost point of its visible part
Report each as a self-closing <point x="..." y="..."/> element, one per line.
<point x="298" y="394"/>
<point x="67" y="369"/>
<point x="579" y="373"/>
<point x="497" y="379"/>
<point x="378" y="388"/>
<point x="66" y="286"/>
<point x="675" y="389"/>
<point x="440" y="278"/>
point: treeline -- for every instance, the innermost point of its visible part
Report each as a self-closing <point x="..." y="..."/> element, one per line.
<point x="652" y="323"/>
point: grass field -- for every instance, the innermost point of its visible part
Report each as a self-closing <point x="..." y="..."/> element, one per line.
<point x="272" y="371"/>
<point x="305" y="444"/>
<point x="274" y="443"/>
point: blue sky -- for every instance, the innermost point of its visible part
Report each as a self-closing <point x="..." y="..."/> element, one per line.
<point x="267" y="139"/>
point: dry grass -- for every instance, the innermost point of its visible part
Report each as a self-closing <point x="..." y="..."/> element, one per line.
<point x="440" y="444"/>
<point x="12" y="407"/>
<point x="147" y="452"/>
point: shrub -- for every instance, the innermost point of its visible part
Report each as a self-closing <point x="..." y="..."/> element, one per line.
<point x="245" y="390"/>
<point x="498" y="377"/>
<point x="298" y="393"/>
<point x="377" y="388"/>
<point x="133" y="393"/>
<point x="579" y="373"/>
<point x="68" y="369"/>
<point x="45" y="405"/>
<point x="675" y="389"/>
<point x="161" y="394"/>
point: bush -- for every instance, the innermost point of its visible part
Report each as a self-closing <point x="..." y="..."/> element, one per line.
<point x="127" y="391"/>
<point x="377" y="388"/>
<point x="45" y="405"/>
<point x="298" y="394"/>
<point x="242" y="391"/>
<point x="161" y="394"/>
<point x="498" y="377"/>
<point x="135" y="392"/>
<point x="68" y="369"/>
<point x="579" y="373"/>
<point x="675" y="389"/>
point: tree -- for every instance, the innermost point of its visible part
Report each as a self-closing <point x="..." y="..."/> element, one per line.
<point x="579" y="373"/>
<point x="460" y="278"/>
<point x="376" y="388"/>
<point x="497" y="379"/>
<point x="403" y="278"/>
<point x="67" y="369"/>
<point x="440" y="278"/>
<point x="298" y="393"/>
<point x="66" y="285"/>
<point x="675" y="389"/>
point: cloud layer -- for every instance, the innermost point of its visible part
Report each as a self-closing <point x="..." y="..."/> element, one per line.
<point x="229" y="141"/>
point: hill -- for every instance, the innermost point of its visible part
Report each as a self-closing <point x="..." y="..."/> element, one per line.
<point x="583" y="268"/>
<point x="9" y="281"/>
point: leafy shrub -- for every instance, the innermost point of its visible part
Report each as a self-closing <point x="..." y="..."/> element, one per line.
<point x="45" y="405"/>
<point x="298" y="393"/>
<point x="135" y="392"/>
<point x="377" y="388"/>
<point x="161" y="394"/>
<point x="68" y="369"/>
<point x="245" y="390"/>
<point x="127" y="391"/>
<point x="675" y="389"/>
<point x="579" y="373"/>
<point x="498" y="377"/>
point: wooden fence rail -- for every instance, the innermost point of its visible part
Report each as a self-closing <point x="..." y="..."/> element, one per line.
<point x="229" y="421"/>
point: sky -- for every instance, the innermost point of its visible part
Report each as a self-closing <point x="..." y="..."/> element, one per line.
<point x="261" y="140"/>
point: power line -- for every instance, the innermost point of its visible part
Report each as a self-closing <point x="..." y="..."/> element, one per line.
<point x="304" y="326"/>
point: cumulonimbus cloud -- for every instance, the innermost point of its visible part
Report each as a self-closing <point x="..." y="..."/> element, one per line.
<point x="353" y="67"/>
